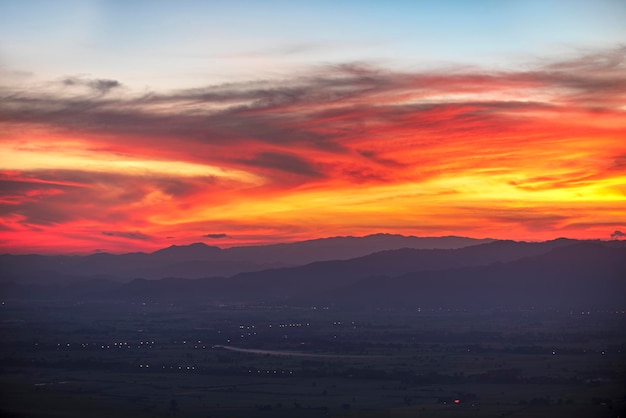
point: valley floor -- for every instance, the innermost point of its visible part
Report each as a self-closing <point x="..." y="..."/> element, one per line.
<point x="157" y="360"/>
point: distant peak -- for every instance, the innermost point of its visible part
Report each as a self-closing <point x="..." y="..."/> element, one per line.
<point x="196" y="246"/>
<point x="384" y="234"/>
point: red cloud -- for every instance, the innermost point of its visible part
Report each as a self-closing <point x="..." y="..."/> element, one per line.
<point x="515" y="152"/>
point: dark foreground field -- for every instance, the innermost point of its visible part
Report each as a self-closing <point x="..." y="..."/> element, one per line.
<point x="102" y="359"/>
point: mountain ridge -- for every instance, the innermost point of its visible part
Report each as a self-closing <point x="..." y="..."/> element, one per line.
<point x="556" y="273"/>
<point x="200" y="260"/>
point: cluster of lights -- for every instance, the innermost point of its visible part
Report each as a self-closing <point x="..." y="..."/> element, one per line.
<point x="271" y="372"/>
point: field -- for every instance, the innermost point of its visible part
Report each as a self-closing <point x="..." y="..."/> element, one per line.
<point x="192" y="360"/>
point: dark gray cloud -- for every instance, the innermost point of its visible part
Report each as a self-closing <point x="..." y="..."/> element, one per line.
<point x="136" y="235"/>
<point x="101" y="86"/>
<point x="216" y="236"/>
<point x="374" y="156"/>
<point x="364" y="175"/>
<point x="289" y="163"/>
<point x="282" y="162"/>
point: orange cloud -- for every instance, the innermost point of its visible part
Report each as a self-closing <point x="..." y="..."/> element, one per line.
<point x="533" y="154"/>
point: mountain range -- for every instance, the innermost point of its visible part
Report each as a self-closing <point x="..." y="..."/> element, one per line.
<point x="201" y="260"/>
<point x="436" y="272"/>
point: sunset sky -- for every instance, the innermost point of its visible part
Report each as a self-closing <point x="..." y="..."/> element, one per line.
<point x="132" y="126"/>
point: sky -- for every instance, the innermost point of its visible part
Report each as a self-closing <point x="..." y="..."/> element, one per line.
<point x="132" y="126"/>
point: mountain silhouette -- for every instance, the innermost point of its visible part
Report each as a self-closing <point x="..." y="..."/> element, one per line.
<point x="325" y="275"/>
<point x="578" y="275"/>
<point x="559" y="273"/>
<point x="200" y="260"/>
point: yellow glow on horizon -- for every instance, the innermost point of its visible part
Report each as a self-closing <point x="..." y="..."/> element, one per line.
<point x="442" y="198"/>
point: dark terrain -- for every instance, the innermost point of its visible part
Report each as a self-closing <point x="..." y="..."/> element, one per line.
<point x="446" y="327"/>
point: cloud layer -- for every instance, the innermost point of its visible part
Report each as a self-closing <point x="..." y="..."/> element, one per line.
<point x="346" y="149"/>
